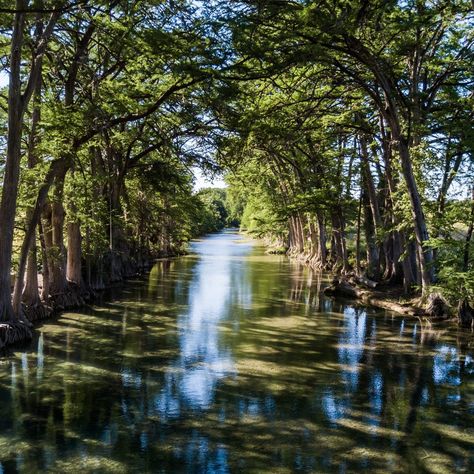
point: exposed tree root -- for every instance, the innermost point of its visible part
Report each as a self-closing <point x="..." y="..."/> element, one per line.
<point x="356" y="286"/>
<point x="37" y="312"/>
<point x="13" y="333"/>
<point x="342" y="287"/>
<point x="310" y="259"/>
<point x="73" y="297"/>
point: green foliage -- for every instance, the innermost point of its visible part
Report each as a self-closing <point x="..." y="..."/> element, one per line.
<point x="213" y="213"/>
<point x="303" y="105"/>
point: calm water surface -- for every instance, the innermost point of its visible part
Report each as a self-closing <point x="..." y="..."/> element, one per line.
<point x="230" y="360"/>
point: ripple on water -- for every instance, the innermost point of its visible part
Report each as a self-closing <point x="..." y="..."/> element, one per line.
<point x="231" y="360"/>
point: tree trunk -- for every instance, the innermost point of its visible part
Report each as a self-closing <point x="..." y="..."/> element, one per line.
<point x="399" y="238"/>
<point x="74" y="269"/>
<point x="57" y="167"/>
<point x="369" y="185"/>
<point x="44" y="255"/>
<point x="467" y="243"/>
<point x="118" y="244"/>
<point x="58" y="280"/>
<point x="30" y="295"/>
<point x="321" y="241"/>
<point x="424" y="252"/>
<point x="359" y="214"/>
<point x="301" y="238"/>
<point x="339" y="242"/>
<point x="372" y="251"/>
<point x="48" y="243"/>
<point x="12" y="165"/>
<point x="372" y="220"/>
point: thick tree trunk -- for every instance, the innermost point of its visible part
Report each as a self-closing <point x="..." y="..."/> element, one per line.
<point x="12" y="165"/>
<point x="313" y="241"/>
<point x="318" y="242"/>
<point x="321" y="241"/>
<point x="45" y="264"/>
<point x="58" y="282"/>
<point x="339" y="249"/>
<point x="57" y="168"/>
<point x="30" y="295"/>
<point x="62" y="294"/>
<point x="372" y="219"/>
<point x="424" y="252"/>
<point x="301" y="236"/>
<point x="359" y="220"/>
<point x="74" y="268"/>
<point x="369" y="185"/>
<point x="399" y="239"/>
<point x="372" y="250"/>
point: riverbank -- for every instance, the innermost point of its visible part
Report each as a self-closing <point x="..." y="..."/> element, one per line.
<point x="21" y="331"/>
<point x="386" y="299"/>
<point x="433" y="309"/>
<point x="223" y="361"/>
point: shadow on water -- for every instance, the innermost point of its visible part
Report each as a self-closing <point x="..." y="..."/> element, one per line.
<point x="230" y="360"/>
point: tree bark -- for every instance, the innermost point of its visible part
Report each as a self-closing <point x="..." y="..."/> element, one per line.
<point x="321" y="240"/>
<point x="467" y="243"/>
<point x="74" y="268"/>
<point x="56" y="168"/>
<point x="372" y="220"/>
<point x="424" y="253"/>
<point x="44" y="259"/>
<point x="30" y="295"/>
<point x="58" y="283"/>
<point x="16" y="108"/>
<point x="17" y="104"/>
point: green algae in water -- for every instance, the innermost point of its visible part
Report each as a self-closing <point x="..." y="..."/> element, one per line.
<point x="231" y="360"/>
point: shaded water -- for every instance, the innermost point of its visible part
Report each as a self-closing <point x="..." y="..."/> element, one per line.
<point x="230" y="360"/>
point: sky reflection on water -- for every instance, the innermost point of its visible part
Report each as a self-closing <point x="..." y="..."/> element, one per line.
<point x="230" y="360"/>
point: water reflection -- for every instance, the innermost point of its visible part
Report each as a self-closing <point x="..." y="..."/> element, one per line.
<point x="230" y="360"/>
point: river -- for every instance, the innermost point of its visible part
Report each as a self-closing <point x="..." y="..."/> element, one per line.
<point x="231" y="360"/>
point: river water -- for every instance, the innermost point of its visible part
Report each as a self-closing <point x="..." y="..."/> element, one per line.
<point x="231" y="360"/>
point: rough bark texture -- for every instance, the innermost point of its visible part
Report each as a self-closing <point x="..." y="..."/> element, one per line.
<point x="30" y="295"/>
<point x="12" y="165"/>
<point x="56" y="168"/>
<point x="58" y="282"/>
<point x="424" y="253"/>
<point x="74" y="239"/>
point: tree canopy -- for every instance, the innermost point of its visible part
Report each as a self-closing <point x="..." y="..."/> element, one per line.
<point x="344" y="129"/>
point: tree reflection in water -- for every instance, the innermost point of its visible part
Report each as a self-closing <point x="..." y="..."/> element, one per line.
<point x="230" y="360"/>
